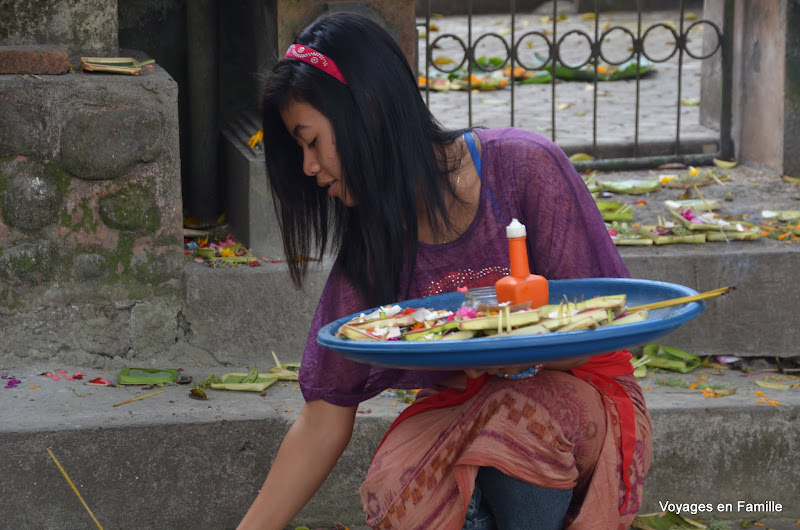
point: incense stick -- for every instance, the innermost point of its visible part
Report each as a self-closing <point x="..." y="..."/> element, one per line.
<point x="683" y="300"/>
<point x="137" y="398"/>
<point x="63" y="472"/>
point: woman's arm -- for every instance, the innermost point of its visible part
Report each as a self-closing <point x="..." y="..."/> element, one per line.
<point x="307" y="455"/>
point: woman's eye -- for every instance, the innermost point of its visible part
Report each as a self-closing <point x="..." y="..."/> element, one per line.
<point x="312" y="143"/>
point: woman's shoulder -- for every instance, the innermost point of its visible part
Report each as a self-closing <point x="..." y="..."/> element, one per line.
<point x="511" y="146"/>
<point x="508" y="134"/>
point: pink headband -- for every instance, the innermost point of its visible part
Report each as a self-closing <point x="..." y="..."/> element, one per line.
<point x="314" y="58"/>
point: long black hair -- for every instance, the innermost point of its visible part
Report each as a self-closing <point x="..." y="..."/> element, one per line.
<point x="392" y="153"/>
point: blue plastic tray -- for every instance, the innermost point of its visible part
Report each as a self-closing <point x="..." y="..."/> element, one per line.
<point x="491" y="352"/>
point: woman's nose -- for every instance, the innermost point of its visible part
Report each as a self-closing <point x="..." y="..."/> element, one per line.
<point x="310" y="164"/>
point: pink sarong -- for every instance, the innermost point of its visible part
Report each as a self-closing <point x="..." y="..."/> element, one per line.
<point x="554" y="430"/>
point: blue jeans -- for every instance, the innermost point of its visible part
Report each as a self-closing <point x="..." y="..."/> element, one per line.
<point x="503" y="502"/>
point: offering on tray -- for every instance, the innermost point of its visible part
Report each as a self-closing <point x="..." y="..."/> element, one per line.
<point x="669" y="307"/>
<point x="394" y="323"/>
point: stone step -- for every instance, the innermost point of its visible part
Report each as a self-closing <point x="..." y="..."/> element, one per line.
<point x="168" y="461"/>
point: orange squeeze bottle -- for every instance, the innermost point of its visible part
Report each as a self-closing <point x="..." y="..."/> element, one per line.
<point x="521" y="286"/>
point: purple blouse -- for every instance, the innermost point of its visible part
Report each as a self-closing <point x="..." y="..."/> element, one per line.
<point x="523" y="175"/>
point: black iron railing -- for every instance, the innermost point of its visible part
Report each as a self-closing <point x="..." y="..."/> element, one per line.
<point x="595" y="42"/>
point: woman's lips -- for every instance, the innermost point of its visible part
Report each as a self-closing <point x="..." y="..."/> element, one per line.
<point x="333" y="189"/>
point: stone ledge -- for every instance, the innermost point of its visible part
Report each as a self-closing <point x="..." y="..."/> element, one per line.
<point x="33" y="60"/>
<point x="743" y="322"/>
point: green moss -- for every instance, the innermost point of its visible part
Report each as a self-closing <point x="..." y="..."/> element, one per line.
<point x="23" y="265"/>
<point x="31" y="264"/>
<point x="61" y="177"/>
<point x="132" y="209"/>
<point x="86" y="223"/>
<point x="66" y="220"/>
<point x="121" y="255"/>
<point x="3" y="185"/>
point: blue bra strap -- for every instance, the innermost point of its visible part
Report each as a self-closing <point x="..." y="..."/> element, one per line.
<point x="473" y="150"/>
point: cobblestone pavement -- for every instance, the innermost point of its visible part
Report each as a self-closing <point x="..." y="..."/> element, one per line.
<point x="616" y="111"/>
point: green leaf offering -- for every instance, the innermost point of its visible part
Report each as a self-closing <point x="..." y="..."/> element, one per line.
<point x="251" y="376"/>
<point x="664" y="521"/>
<point x="541" y="76"/>
<point x="615" y="211"/>
<point x="669" y="358"/>
<point x="632" y="187"/>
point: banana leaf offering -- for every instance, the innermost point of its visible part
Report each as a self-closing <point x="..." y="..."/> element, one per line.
<point x="688" y="180"/>
<point x="693" y="204"/>
<point x="615" y="211"/>
<point x="669" y="358"/>
<point x="218" y="256"/>
<point x="523" y="76"/>
<point x="605" y="71"/>
<point x="423" y="324"/>
<point x="487" y="78"/>
<point x="252" y="381"/>
<point x="631" y="187"/>
<point x="594" y="187"/>
<point x="623" y="234"/>
<point x="114" y="65"/>
<point x="790" y="216"/>
<point x="782" y="225"/>
<point x="716" y="227"/>
<point x="438" y="84"/>
<point x="670" y="232"/>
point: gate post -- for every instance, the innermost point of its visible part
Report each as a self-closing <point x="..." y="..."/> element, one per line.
<point x="765" y="89"/>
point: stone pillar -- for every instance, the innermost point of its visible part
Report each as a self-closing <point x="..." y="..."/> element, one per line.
<point x="397" y="16"/>
<point x="90" y="217"/>
<point x="791" y="102"/>
<point x="766" y="73"/>
<point x="91" y="240"/>
<point x="203" y="181"/>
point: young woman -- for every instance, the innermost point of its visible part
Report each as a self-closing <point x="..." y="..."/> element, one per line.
<point x="357" y="164"/>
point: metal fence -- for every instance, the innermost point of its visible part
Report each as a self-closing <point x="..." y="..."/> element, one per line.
<point x="546" y="50"/>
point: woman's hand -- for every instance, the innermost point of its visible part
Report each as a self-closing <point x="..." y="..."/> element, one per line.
<point x="307" y="455"/>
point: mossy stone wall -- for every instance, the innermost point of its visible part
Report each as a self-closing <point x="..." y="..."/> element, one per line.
<point x="91" y="246"/>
